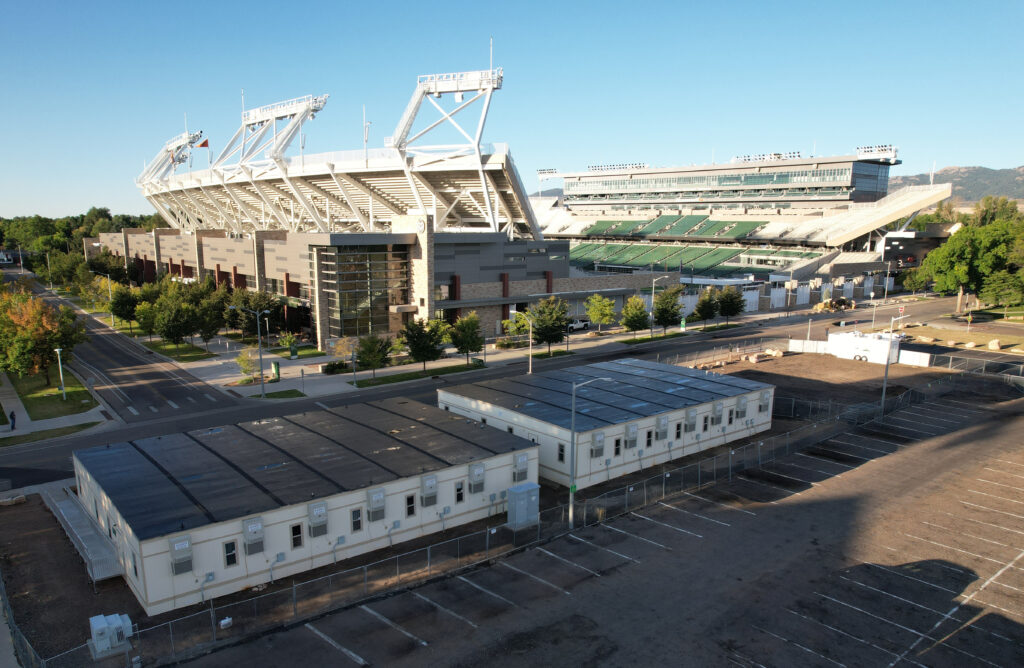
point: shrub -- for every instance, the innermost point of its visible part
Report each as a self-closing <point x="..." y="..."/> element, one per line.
<point x="335" y="367"/>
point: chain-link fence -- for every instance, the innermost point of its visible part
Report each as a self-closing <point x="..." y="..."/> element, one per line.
<point x="729" y="353"/>
<point x="216" y="624"/>
<point x="22" y="648"/>
<point x="978" y="365"/>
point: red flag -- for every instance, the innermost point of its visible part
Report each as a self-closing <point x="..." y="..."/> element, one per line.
<point x="205" y="144"/>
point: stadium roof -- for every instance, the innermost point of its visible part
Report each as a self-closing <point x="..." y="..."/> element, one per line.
<point x="165" y="484"/>
<point x="638" y="388"/>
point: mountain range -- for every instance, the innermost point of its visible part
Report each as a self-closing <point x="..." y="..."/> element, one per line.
<point x="970" y="184"/>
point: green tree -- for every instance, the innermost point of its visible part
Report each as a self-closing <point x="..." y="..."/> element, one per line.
<point x="667" y="310"/>
<point x="372" y="352"/>
<point x="175" y="319"/>
<point x="515" y="326"/>
<point x="600" y="310"/>
<point x="730" y="302"/>
<point x="424" y="339"/>
<point x="209" y="319"/>
<point x="465" y="335"/>
<point x="123" y="305"/>
<point x="246" y="362"/>
<point x="990" y="209"/>
<point x="707" y="306"/>
<point x="913" y="280"/>
<point x="1003" y="289"/>
<point x="953" y="266"/>
<point x="634" y="315"/>
<point x="145" y="315"/>
<point x="30" y="332"/>
<point x="549" y="321"/>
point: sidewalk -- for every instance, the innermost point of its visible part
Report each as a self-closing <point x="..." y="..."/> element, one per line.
<point x="10" y="400"/>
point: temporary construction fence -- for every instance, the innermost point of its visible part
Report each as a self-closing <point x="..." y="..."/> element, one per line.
<point x="729" y="353"/>
<point x="978" y="365"/>
<point x="216" y="625"/>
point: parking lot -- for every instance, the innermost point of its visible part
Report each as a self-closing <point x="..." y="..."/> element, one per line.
<point x="899" y="542"/>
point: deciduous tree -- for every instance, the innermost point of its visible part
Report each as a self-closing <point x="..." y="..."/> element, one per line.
<point x="372" y="352"/>
<point x="600" y="310"/>
<point x="465" y="335"/>
<point x="667" y="310"/>
<point x="730" y="302"/>
<point x="549" y="321"/>
<point x="707" y="306"/>
<point x="424" y="340"/>
<point x="634" y="315"/>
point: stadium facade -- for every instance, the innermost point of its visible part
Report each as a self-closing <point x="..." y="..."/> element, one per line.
<point x="362" y="241"/>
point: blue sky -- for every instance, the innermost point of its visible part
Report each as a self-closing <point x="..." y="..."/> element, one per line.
<point x="92" y="90"/>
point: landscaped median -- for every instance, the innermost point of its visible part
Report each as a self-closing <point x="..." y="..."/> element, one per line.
<point x="416" y="375"/>
<point x="185" y="352"/>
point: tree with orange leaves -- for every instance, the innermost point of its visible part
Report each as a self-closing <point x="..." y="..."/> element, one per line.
<point x="31" y="330"/>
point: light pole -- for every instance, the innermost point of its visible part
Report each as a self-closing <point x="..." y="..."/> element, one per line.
<point x="888" y="354"/>
<point x="874" y="310"/>
<point x="885" y="299"/>
<point x="653" y="281"/>
<point x="572" y="446"/>
<point x="60" y="368"/>
<point x="110" y="295"/>
<point x="21" y="259"/>
<point x="529" y="362"/>
<point x="259" y="342"/>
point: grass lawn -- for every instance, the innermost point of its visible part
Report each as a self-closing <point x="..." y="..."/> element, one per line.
<point x="285" y="394"/>
<point x="46" y="433"/>
<point x="943" y="336"/>
<point x="415" y="375"/>
<point x="43" y="403"/>
<point x="303" y="352"/>
<point x="186" y="352"/>
<point x="554" y="353"/>
<point x="1012" y="313"/>
<point x="645" y="339"/>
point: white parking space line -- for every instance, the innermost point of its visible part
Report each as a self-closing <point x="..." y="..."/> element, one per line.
<point x="947" y="410"/>
<point x="667" y="526"/>
<point x="880" y="440"/>
<point x="768" y="484"/>
<point x="192" y="399"/>
<point x="571" y="563"/>
<point x="950" y="547"/>
<point x="1015" y="475"/>
<point x="988" y="524"/>
<point x="808" y="468"/>
<point x="961" y="532"/>
<point x="709" y="519"/>
<point x="1002" y="498"/>
<point x="723" y="505"/>
<point x="796" y="644"/>
<point x="153" y="408"/>
<point x="906" y="554"/>
<point x="842" y="632"/>
<point x="534" y="577"/>
<point x="443" y="609"/>
<point x="322" y="405"/>
<point x="1001" y="512"/>
<point x="822" y="459"/>
<point x="397" y="627"/>
<point x="838" y="452"/>
<point x="172" y="404"/>
<point x="972" y="408"/>
<point x="132" y="410"/>
<point x="486" y="591"/>
<point x="909" y="577"/>
<point x="747" y="659"/>
<point x="209" y="397"/>
<point x="1005" y="461"/>
<point x="1000" y="484"/>
<point x="633" y="535"/>
<point x="330" y="641"/>
<point x="602" y="547"/>
<point x="858" y="445"/>
<point x="931" y="415"/>
<point x="917" y="427"/>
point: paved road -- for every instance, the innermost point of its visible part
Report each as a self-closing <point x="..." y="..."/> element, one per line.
<point x="50" y="460"/>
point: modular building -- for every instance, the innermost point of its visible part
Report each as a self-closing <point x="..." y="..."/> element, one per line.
<point x="204" y="513"/>
<point x="634" y="414"/>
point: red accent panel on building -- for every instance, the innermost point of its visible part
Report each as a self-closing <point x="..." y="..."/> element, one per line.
<point x="505" y="312"/>
<point x="504" y="289"/>
<point x="549" y="277"/>
<point x="456" y="287"/>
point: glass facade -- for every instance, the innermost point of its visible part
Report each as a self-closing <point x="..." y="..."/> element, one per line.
<point x="359" y="284"/>
<point x="838" y="176"/>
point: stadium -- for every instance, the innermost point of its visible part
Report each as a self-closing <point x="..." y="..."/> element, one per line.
<point x="361" y="241"/>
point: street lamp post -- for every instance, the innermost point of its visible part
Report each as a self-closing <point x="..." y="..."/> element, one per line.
<point x="259" y="342"/>
<point x="529" y="361"/>
<point x="885" y="299"/>
<point x="874" y="310"/>
<point x="653" y="281"/>
<point x="21" y="259"/>
<point x="572" y="447"/>
<point x="888" y="355"/>
<point x="60" y="368"/>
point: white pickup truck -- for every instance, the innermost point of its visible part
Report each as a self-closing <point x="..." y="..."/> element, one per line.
<point x="577" y="324"/>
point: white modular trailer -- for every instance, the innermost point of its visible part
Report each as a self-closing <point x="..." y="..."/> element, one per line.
<point x="862" y="347"/>
<point x="206" y="513"/>
<point x="634" y="414"/>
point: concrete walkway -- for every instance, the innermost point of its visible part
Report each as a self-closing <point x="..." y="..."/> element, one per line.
<point x="10" y="401"/>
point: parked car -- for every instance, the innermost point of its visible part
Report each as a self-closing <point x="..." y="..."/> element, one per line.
<point x="577" y="324"/>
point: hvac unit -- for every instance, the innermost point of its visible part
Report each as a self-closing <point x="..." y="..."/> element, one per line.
<point x="252" y="535"/>
<point x="521" y="467"/>
<point x="428" y="490"/>
<point x="597" y="445"/>
<point x="631" y="431"/>
<point x="318" y="519"/>
<point x="375" y="504"/>
<point x="181" y="555"/>
<point x="523" y="505"/>
<point x="661" y="433"/>
<point x="109" y="635"/>
<point x="476" y="478"/>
